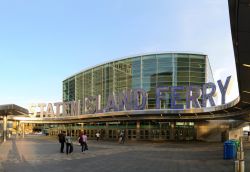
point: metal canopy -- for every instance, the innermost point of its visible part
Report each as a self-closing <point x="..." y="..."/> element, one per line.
<point x="7" y="110"/>
<point x="12" y="109"/>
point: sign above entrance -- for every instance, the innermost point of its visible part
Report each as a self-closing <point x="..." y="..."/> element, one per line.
<point x="178" y="97"/>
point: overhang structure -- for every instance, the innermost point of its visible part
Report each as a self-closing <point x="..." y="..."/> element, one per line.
<point x="239" y="11"/>
<point x="10" y="111"/>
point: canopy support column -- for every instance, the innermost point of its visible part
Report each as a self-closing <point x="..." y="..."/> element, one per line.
<point x="5" y="127"/>
<point x="23" y="128"/>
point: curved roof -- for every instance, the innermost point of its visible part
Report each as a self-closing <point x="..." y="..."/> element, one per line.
<point x="136" y="55"/>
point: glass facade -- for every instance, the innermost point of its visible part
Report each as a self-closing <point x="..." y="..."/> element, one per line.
<point x="146" y="71"/>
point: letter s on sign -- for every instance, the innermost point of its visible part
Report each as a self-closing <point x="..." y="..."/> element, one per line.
<point x="32" y="110"/>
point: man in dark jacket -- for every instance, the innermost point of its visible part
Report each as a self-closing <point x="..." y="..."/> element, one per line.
<point x="61" y="138"/>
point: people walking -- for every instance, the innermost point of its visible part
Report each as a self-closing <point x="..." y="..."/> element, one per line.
<point x="122" y="137"/>
<point x="69" y="144"/>
<point x="84" y="142"/>
<point x="80" y="138"/>
<point x="97" y="136"/>
<point x="61" y="138"/>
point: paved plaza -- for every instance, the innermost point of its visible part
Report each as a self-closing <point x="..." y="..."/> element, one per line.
<point x="41" y="154"/>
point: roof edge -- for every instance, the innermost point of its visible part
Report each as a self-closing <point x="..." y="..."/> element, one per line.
<point x="135" y="55"/>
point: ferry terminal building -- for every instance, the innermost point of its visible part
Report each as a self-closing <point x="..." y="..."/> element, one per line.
<point x="126" y="95"/>
<point x="160" y="96"/>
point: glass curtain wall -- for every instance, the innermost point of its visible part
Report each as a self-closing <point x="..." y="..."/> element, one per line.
<point x="147" y="72"/>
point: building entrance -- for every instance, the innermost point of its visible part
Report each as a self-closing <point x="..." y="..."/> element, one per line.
<point x="184" y="131"/>
<point x="175" y="131"/>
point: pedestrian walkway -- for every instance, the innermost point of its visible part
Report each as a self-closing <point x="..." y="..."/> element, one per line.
<point x="38" y="154"/>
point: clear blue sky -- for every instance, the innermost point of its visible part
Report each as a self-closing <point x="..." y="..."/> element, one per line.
<point x="43" y="42"/>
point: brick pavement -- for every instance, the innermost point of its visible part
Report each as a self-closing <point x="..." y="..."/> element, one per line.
<point x="41" y="154"/>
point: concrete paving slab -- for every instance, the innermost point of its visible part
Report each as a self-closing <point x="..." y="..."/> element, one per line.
<point x="41" y="154"/>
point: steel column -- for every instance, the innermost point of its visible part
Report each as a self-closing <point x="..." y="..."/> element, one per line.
<point x="4" y="128"/>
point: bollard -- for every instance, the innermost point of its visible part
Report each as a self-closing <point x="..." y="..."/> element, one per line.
<point x="238" y="155"/>
<point x="241" y="144"/>
<point x="239" y="164"/>
<point x="242" y="155"/>
<point x="242" y="166"/>
<point x="236" y="166"/>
